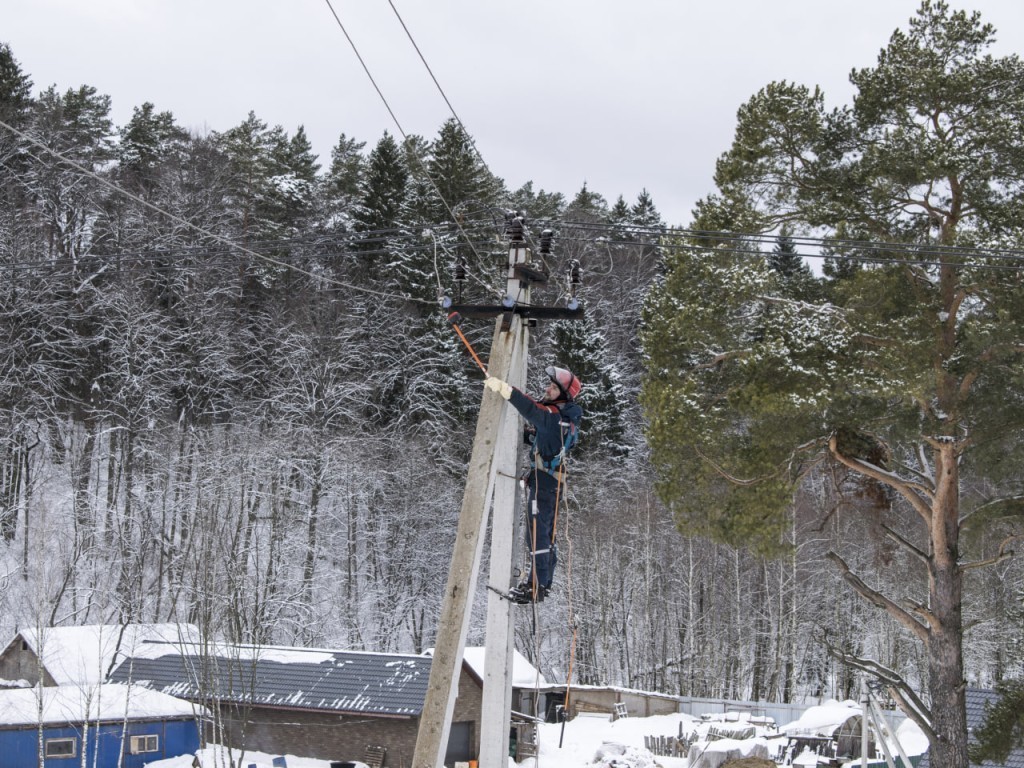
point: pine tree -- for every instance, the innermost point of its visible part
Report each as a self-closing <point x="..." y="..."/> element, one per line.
<point x="909" y="375"/>
<point x="248" y="149"/>
<point x="148" y="141"/>
<point x="539" y="206"/>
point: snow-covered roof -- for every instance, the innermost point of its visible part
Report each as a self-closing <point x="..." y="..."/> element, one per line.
<point x="76" y="703"/>
<point x="84" y="655"/>
<point x="823" y="719"/>
<point x="524" y="674"/>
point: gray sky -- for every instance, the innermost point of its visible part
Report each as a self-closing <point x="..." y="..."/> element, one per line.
<point x="620" y="95"/>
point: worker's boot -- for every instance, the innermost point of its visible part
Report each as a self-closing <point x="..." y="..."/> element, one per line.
<point x="524" y="593"/>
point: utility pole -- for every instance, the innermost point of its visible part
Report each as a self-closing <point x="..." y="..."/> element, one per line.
<point x="492" y="476"/>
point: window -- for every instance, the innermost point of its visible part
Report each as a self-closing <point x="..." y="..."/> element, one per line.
<point x="140" y="744"/>
<point x="61" y="747"/>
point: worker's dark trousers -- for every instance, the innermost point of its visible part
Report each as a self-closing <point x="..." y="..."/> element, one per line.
<point x="540" y="525"/>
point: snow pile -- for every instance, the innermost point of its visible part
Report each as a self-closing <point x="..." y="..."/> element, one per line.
<point x="713" y="754"/>
<point x="911" y="738"/>
<point x="822" y="720"/>
<point x="591" y="742"/>
<point x="218" y="757"/>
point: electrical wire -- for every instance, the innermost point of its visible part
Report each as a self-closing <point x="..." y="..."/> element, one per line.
<point x="185" y="222"/>
<point x="413" y="155"/>
<point x="444" y="96"/>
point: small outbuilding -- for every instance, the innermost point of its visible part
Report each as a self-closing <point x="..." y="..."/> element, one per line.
<point x="831" y="732"/>
<point x="102" y="726"/>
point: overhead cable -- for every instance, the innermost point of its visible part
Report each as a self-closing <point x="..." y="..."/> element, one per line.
<point x="180" y="220"/>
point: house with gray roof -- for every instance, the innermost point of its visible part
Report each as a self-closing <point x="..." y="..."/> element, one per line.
<point x="325" y="704"/>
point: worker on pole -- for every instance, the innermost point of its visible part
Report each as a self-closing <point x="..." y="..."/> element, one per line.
<point x="552" y="430"/>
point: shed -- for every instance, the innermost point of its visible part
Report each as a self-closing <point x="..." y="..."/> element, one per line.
<point x="113" y="725"/>
<point x="327" y="704"/>
<point x="831" y="730"/>
<point x="527" y="681"/>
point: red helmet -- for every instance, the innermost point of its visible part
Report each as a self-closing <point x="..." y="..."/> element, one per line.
<point x="565" y="380"/>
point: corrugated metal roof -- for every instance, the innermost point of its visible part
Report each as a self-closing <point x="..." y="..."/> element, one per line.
<point x="977" y="698"/>
<point x="339" y="681"/>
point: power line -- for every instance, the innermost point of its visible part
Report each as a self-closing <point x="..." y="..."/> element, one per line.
<point x="670" y="239"/>
<point x="444" y="96"/>
<point x="401" y="130"/>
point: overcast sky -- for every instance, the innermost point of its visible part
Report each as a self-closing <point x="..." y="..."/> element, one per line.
<point x="621" y="95"/>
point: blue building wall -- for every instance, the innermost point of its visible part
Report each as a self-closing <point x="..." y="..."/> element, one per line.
<point x="19" y="748"/>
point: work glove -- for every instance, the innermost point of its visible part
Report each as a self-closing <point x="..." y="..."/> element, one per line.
<point x="497" y="385"/>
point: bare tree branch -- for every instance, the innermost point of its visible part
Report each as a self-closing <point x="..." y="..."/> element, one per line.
<point x="879" y="600"/>
<point x="909" y="702"/>
<point x="1003" y="554"/>
<point x="918" y="495"/>
<point x="906" y="544"/>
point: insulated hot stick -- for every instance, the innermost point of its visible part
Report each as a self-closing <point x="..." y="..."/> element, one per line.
<point x="455" y="318"/>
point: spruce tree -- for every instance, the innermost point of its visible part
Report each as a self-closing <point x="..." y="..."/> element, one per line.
<point x="1003" y="729"/>
<point x="15" y="91"/>
<point x="791" y="268"/>
<point x="383" y="188"/>
<point x="343" y="182"/>
<point x="581" y="348"/>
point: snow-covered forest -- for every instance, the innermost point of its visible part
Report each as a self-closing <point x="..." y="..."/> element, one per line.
<point x="229" y="397"/>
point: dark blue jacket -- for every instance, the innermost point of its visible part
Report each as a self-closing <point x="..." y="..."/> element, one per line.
<point x="548" y="420"/>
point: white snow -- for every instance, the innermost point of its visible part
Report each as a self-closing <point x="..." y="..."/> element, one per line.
<point x="823" y="719"/>
<point x="582" y="743"/>
<point x="217" y="757"/>
<point x="912" y="738"/>
<point x="84" y="655"/>
<point x="76" y="704"/>
<point x="524" y="674"/>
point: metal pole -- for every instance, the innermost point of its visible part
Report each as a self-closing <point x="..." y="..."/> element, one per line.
<point x="864" y="723"/>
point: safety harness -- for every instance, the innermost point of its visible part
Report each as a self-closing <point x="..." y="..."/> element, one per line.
<point x="570" y="436"/>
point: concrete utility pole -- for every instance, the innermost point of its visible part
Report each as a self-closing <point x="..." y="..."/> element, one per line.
<point x="493" y="462"/>
<point x="492" y="475"/>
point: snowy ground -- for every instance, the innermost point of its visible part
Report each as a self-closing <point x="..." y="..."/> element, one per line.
<point x="584" y="737"/>
<point x="585" y="742"/>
